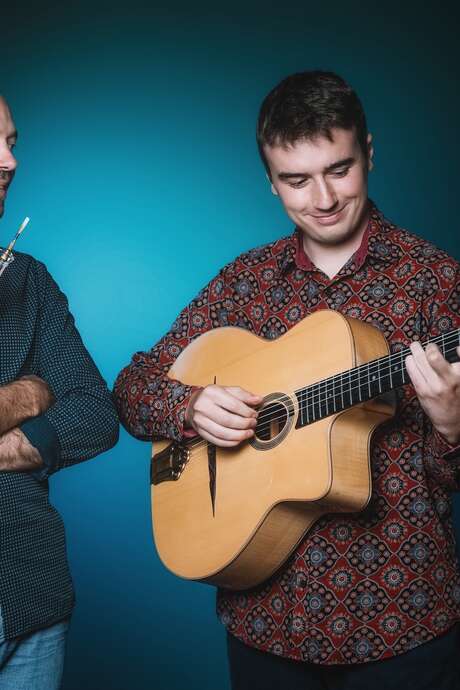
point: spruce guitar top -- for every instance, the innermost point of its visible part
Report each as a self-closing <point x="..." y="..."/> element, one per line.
<point x="231" y="517"/>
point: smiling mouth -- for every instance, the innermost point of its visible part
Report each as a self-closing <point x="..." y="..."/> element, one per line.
<point x="330" y="218"/>
<point x="328" y="215"/>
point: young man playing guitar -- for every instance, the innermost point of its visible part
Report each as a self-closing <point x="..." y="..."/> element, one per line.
<point x="364" y="598"/>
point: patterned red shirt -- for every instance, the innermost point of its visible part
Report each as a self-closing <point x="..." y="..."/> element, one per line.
<point x="357" y="588"/>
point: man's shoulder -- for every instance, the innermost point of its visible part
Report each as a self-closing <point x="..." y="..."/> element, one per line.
<point x="19" y="266"/>
<point x="24" y="271"/>
<point x="416" y="247"/>
<point x="272" y="253"/>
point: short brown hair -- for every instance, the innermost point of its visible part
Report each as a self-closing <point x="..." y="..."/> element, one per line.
<point x="306" y="105"/>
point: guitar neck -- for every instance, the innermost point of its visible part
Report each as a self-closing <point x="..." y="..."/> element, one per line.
<point x="367" y="381"/>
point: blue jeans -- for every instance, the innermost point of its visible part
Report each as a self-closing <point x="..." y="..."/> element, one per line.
<point x="34" y="661"/>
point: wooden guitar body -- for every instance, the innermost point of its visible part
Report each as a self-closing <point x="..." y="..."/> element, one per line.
<point x="268" y="492"/>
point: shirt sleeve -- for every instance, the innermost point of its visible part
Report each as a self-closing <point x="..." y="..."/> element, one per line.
<point x="82" y="422"/>
<point x="150" y="404"/>
<point x="442" y="311"/>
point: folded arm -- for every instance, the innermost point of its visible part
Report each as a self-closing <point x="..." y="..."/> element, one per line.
<point x="23" y="399"/>
<point x="81" y="420"/>
<point x="27" y="397"/>
<point x="17" y="454"/>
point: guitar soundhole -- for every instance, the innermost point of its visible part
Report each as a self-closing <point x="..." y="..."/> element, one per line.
<point x="274" y="421"/>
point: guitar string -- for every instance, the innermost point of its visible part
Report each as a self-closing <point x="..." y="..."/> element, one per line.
<point x="317" y="399"/>
<point x="375" y="365"/>
<point x="353" y="376"/>
<point x="316" y="396"/>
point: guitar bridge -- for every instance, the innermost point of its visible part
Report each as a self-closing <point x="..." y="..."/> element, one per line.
<point x="168" y="465"/>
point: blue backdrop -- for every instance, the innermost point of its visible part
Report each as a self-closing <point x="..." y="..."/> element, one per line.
<point x="139" y="170"/>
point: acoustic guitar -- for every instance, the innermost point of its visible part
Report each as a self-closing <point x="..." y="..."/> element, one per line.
<point x="231" y="517"/>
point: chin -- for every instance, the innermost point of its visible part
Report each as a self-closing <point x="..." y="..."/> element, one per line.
<point x="335" y="234"/>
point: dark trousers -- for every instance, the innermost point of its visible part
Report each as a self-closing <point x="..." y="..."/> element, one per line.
<point x="434" y="665"/>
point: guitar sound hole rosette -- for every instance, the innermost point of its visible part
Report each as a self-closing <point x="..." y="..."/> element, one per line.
<point x="276" y="416"/>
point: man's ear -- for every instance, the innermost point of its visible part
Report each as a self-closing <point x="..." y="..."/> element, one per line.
<point x="370" y="153"/>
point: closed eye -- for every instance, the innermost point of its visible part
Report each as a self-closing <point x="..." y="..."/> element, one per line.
<point x="297" y="184"/>
<point x="340" y="172"/>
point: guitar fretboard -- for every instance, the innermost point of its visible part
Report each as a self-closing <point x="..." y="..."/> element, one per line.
<point x="362" y="383"/>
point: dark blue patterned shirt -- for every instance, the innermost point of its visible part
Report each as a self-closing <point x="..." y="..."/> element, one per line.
<point x="38" y="336"/>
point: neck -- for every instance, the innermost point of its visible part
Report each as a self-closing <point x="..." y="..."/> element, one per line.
<point x="364" y="382"/>
<point x="330" y="262"/>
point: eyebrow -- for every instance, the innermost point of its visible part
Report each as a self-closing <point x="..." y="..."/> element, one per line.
<point x="330" y="168"/>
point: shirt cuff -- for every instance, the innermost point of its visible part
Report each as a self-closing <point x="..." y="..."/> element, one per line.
<point x="41" y="434"/>
<point x="443" y="449"/>
<point x="174" y="426"/>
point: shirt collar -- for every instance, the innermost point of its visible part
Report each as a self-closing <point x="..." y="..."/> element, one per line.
<point x="376" y="245"/>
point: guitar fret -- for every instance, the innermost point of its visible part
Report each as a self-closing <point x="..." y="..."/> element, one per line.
<point x="329" y="398"/>
<point x="317" y="402"/>
<point x="403" y="373"/>
<point x="364" y="382"/>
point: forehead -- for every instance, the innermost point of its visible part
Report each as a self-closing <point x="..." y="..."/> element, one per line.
<point x="313" y="155"/>
<point x="6" y="119"/>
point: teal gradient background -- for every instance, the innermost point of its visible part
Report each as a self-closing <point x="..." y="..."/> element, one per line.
<point x="139" y="170"/>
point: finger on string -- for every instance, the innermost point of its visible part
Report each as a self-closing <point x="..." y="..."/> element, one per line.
<point x="233" y="421"/>
<point x="437" y="361"/>
<point x="223" y="417"/>
<point x="216" y="397"/>
<point x="416" y="377"/>
<point x="421" y="362"/>
<point x="218" y="441"/>
<point x="220" y="432"/>
<point x="244" y="395"/>
<point x="233" y="404"/>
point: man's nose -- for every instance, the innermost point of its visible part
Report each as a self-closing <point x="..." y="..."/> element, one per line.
<point x="8" y="162"/>
<point x="324" y="197"/>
